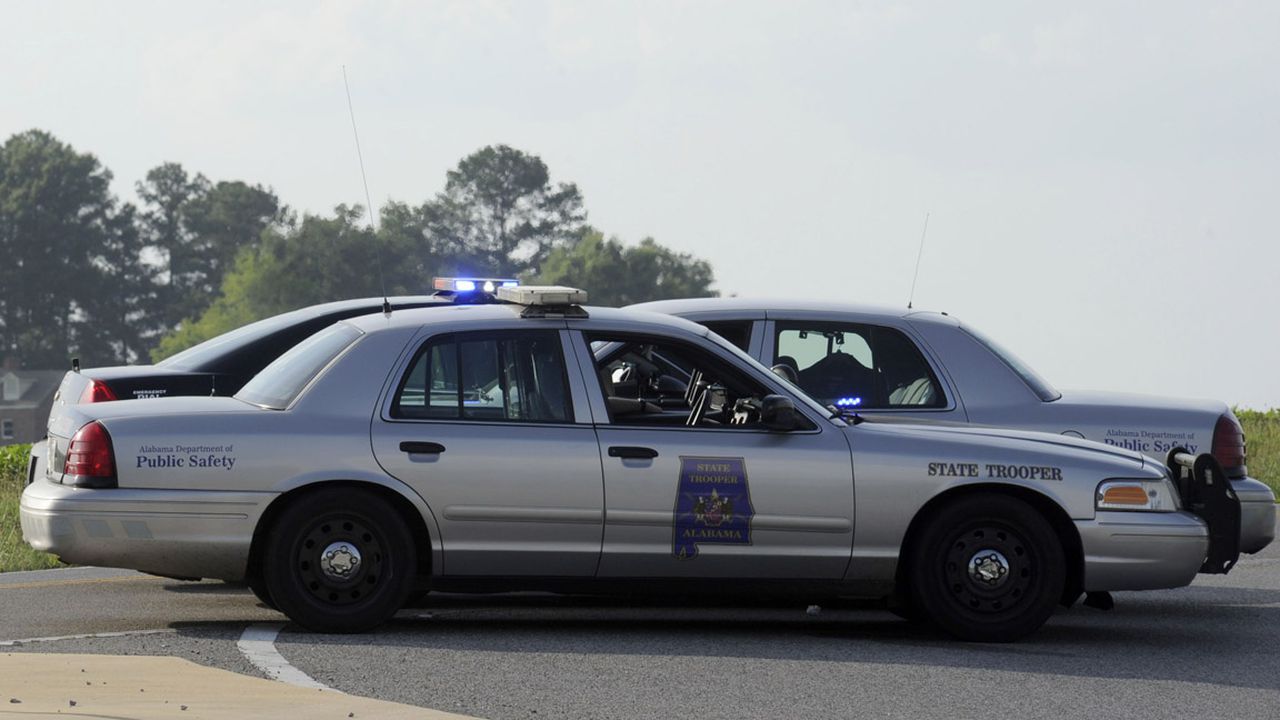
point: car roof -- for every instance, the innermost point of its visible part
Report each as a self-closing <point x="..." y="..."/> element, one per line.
<point x="639" y="320"/>
<point x="759" y="308"/>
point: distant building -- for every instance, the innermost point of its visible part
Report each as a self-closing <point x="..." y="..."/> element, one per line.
<point x="26" y="396"/>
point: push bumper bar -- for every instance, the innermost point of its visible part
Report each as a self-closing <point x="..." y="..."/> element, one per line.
<point x="1206" y="492"/>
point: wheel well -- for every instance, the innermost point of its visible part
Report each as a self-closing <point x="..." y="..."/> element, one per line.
<point x="1057" y="517"/>
<point x="412" y="518"/>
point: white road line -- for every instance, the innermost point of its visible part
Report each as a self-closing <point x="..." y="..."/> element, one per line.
<point x="258" y="645"/>
<point x="86" y="636"/>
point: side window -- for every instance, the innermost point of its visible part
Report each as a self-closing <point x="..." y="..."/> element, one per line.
<point x="659" y="382"/>
<point x="858" y="366"/>
<point x="737" y="332"/>
<point x="517" y="376"/>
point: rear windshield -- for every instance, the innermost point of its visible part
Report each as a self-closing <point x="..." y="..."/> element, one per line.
<point x="201" y="357"/>
<point x="281" y="381"/>
<point x="1038" y="385"/>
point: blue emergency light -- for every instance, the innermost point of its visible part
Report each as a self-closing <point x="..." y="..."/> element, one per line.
<point x="470" y="285"/>
<point x="848" y="401"/>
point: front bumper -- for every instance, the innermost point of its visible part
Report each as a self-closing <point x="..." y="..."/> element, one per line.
<point x="1142" y="551"/>
<point x="179" y="533"/>
<point x="1257" y="514"/>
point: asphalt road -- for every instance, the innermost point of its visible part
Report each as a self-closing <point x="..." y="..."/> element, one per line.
<point x="1208" y="651"/>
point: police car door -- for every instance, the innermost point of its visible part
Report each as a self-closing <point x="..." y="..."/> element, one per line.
<point x="488" y="429"/>
<point x="691" y="492"/>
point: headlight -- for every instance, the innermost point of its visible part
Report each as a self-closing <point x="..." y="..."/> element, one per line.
<point x="1144" y="495"/>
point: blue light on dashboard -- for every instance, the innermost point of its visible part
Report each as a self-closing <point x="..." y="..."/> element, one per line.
<point x="464" y="285"/>
<point x="510" y="283"/>
<point x="848" y="402"/>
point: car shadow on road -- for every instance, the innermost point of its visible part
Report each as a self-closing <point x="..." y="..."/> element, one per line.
<point x="1223" y="636"/>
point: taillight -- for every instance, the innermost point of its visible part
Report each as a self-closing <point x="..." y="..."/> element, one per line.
<point x="1228" y="445"/>
<point x="90" y="460"/>
<point x="97" y="391"/>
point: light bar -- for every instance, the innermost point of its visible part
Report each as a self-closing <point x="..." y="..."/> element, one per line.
<point x="468" y="285"/>
<point x="542" y="295"/>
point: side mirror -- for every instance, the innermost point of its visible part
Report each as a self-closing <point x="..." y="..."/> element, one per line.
<point x="779" y="414"/>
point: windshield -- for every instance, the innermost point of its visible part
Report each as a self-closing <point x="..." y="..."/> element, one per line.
<point x="281" y="381"/>
<point x="1038" y="385"/>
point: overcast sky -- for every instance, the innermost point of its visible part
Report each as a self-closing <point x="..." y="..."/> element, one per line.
<point x="1101" y="178"/>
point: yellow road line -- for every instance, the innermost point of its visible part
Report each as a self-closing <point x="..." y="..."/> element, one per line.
<point x="79" y="581"/>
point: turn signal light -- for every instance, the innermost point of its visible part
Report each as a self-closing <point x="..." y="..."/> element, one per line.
<point x="1125" y="495"/>
<point x="1145" y="495"/>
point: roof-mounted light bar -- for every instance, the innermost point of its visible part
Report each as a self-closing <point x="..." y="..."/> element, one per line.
<point x="546" y="300"/>
<point x="472" y="284"/>
<point x="543" y="295"/>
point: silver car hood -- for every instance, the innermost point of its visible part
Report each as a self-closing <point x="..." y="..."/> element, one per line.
<point x="1046" y="439"/>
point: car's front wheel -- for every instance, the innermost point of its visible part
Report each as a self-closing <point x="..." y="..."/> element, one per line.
<point x="339" y="560"/>
<point x="987" y="568"/>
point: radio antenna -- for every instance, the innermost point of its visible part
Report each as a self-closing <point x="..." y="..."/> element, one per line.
<point x="919" y="254"/>
<point x="373" y="223"/>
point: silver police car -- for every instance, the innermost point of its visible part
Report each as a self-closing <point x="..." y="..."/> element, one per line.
<point x="915" y="366"/>
<point x="537" y="444"/>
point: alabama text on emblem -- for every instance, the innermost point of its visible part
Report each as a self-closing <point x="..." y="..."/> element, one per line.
<point x="713" y="505"/>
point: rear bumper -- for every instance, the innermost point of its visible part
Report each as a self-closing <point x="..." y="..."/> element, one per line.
<point x="180" y="533"/>
<point x="1142" y="551"/>
<point x="1257" y="514"/>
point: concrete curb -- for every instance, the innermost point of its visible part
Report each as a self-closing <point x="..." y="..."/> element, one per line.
<point x="141" y="687"/>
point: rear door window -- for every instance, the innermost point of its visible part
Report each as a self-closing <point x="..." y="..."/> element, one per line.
<point x="513" y="377"/>
<point x="858" y="366"/>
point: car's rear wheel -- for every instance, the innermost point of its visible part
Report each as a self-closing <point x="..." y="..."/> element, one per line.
<point x="987" y="568"/>
<point x="339" y="560"/>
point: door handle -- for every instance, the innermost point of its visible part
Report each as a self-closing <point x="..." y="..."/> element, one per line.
<point x="424" y="448"/>
<point x="632" y="453"/>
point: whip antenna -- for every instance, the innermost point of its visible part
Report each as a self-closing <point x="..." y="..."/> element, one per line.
<point x="919" y="254"/>
<point x="368" y="200"/>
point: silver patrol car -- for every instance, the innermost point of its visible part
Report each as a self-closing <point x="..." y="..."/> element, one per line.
<point x="536" y="444"/>
<point x="931" y="367"/>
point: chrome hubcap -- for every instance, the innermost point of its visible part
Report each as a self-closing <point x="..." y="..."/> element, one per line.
<point x="989" y="568"/>
<point x="340" y="560"/>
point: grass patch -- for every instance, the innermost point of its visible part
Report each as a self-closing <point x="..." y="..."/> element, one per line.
<point x="1262" y="440"/>
<point x="14" y="553"/>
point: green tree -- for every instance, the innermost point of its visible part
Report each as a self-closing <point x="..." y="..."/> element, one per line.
<point x="319" y="260"/>
<point x="500" y="214"/>
<point x="121" y="322"/>
<point x="615" y="274"/>
<point x="195" y="228"/>
<point x="65" y="240"/>
<point x="228" y="216"/>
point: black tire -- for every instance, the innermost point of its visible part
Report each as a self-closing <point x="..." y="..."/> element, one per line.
<point x="259" y="588"/>
<point x="987" y="568"/>
<point x="369" y="542"/>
